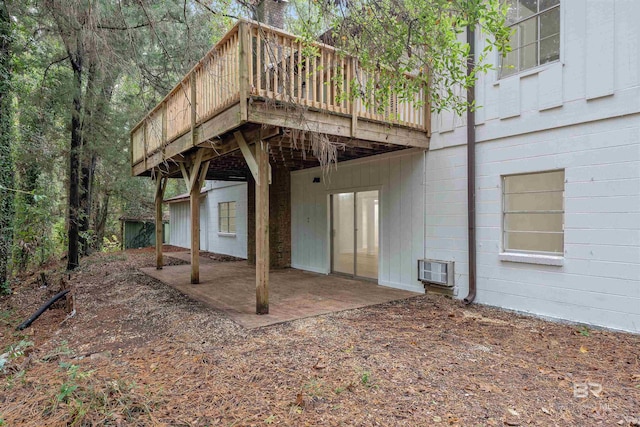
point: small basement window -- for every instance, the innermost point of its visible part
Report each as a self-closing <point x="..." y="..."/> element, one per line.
<point x="533" y="213"/>
<point x="227" y="217"/>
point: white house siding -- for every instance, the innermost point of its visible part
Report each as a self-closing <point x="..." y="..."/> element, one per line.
<point x="399" y="177"/>
<point x="180" y="224"/>
<point x="210" y="239"/>
<point x="221" y="191"/>
<point x="581" y="114"/>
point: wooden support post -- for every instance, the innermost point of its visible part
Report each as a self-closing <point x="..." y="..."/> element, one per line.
<point x="194" y="203"/>
<point x="194" y="178"/>
<point x="262" y="228"/>
<point x="161" y="183"/>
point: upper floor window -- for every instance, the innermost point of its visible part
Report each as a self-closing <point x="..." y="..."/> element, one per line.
<point x="536" y="34"/>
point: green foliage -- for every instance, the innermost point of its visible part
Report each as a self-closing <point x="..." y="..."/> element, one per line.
<point x="5" y="286"/>
<point x="584" y="331"/>
<point x="423" y="38"/>
<point x="84" y="398"/>
<point x="5" y="317"/>
<point x="12" y="352"/>
<point x="61" y="350"/>
<point x="6" y="135"/>
<point x="74" y="374"/>
<point x="132" y="53"/>
<point x="365" y="378"/>
<point x="111" y="245"/>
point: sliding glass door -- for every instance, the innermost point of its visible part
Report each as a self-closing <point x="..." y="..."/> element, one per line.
<point x="355" y="233"/>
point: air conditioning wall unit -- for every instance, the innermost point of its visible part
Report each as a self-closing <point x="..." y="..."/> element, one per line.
<point x="434" y="272"/>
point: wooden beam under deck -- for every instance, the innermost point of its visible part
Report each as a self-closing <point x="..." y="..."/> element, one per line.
<point x="266" y="120"/>
<point x="334" y="124"/>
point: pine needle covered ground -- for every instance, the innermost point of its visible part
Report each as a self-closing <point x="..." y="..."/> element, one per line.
<point x="139" y="353"/>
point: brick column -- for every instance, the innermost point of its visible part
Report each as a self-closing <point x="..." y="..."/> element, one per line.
<point x="251" y="220"/>
<point x="279" y="219"/>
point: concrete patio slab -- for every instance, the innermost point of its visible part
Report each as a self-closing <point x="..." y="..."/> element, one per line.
<point x="293" y="294"/>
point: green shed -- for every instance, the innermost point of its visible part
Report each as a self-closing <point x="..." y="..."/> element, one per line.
<point x="139" y="232"/>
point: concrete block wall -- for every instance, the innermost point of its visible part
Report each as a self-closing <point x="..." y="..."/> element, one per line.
<point x="580" y="114"/>
<point x="599" y="281"/>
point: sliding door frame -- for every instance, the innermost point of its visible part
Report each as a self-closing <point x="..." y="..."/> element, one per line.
<point x="330" y="202"/>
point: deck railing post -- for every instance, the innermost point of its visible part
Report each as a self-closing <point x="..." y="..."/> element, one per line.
<point x="144" y="143"/>
<point x="131" y="150"/>
<point x="355" y="103"/>
<point x="164" y="124"/>
<point x="244" y="56"/>
<point x="427" y="104"/>
<point x="194" y="112"/>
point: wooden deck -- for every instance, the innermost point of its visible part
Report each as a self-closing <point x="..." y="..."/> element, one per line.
<point x="261" y="99"/>
<point x="293" y="294"/>
<point x="268" y="83"/>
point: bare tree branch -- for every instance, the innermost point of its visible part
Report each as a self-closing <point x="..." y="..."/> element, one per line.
<point x="215" y="12"/>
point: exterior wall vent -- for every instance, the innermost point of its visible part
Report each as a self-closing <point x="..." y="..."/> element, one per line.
<point x="434" y="272"/>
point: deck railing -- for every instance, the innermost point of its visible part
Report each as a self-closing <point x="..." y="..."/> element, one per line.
<point x="261" y="61"/>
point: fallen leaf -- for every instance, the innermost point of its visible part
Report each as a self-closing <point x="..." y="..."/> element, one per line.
<point x="437" y="419"/>
<point x="299" y="400"/>
<point x="583" y="349"/>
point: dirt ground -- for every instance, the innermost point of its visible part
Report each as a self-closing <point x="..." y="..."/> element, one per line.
<point x="138" y="353"/>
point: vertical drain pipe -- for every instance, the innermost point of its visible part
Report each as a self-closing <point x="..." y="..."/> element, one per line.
<point x="471" y="170"/>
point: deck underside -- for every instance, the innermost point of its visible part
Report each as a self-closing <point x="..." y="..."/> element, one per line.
<point x="290" y="131"/>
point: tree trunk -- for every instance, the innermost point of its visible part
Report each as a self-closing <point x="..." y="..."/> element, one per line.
<point x="86" y="202"/>
<point x="102" y="212"/>
<point x="73" y="256"/>
<point x="6" y="161"/>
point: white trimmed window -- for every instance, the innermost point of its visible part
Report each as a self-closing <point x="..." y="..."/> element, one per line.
<point x="536" y="34"/>
<point x="533" y="213"/>
<point x="227" y="217"/>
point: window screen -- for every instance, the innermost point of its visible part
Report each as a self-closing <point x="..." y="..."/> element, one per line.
<point x="533" y="212"/>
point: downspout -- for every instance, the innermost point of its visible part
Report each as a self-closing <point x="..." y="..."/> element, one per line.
<point x="471" y="170"/>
